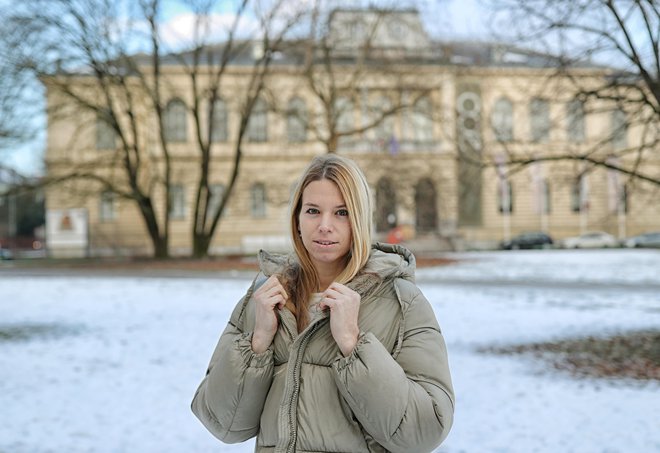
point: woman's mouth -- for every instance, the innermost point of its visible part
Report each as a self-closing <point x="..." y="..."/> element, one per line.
<point x="325" y="243"/>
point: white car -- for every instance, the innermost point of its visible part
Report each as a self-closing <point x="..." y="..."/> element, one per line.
<point x="590" y="240"/>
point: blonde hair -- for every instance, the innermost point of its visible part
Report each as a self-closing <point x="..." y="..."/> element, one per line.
<point x="303" y="279"/>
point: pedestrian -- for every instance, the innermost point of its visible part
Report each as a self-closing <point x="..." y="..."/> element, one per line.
<point x="334" y="348"/>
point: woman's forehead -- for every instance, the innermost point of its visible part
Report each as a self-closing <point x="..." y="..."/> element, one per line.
<point x="323" y="190"/>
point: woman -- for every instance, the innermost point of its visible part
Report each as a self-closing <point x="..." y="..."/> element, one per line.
<point x="336" y="350"/>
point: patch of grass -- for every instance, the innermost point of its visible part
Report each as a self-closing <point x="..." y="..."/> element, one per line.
<point x="31" y="331"/>
<point x="631" y="355"/>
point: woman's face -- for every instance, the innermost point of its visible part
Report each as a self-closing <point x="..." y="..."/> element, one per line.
<point x="325" y="228"/>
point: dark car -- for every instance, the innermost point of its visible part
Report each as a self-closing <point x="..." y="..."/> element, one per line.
<point x="6" y="254"/>
<point x="651" y="239"/>
<point x="529" y="240"/>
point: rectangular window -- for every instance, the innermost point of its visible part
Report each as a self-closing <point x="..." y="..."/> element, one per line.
<point x="580" y="195"/>
<point x="258" y="201"/>
<point x="539" y="110"/>
<point x="217" y="192"/>
<point x="505" y="197"/>
<point x="106" y="137"/>
<point x="219" y="131"/>
<point x="107" y="208"/>
<point x="546" y="204"/>
<point x="257" y="127"/>
<point x="619" y="130"/>
<point x="575" y="121"/>
<point x="177" y="202"/>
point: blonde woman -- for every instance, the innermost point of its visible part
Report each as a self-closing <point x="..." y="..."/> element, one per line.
<point x="334" y="349"/>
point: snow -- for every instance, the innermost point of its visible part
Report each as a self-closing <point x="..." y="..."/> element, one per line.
<point x="118" y="372"/>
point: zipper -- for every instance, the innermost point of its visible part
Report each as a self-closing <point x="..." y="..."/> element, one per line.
<point x="302" y="341"/>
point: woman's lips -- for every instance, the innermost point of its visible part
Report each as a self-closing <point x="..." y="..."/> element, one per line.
<point x="322" y="243"/>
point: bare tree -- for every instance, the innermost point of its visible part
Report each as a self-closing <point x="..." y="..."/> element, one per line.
<point x="108" y="61"/>
<point x="621" y="41"/>
<point x="15" y="115"/>
<point x="348" y="68"/>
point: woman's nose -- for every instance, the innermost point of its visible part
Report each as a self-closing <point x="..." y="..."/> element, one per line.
<point x="325" y="225"/>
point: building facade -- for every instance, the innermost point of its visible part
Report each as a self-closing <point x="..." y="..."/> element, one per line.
<point x="435" y="126"/>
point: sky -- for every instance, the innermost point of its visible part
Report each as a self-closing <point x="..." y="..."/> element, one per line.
<point x="448" y="19"/>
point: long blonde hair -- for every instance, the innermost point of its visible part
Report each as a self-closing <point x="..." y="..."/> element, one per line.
<point x="302" y="279"/>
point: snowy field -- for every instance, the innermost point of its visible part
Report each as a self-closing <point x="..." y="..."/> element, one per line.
<point x="119" y="358"/>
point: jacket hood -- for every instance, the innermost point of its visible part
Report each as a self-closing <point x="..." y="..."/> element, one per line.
<point x="386" y="262"/>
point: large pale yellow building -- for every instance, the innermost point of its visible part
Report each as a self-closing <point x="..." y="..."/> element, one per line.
<point x="438" y="164"/>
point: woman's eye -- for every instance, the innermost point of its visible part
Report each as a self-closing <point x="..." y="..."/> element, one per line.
<point x="312" y="211"/>
<point x="342" y="212"/>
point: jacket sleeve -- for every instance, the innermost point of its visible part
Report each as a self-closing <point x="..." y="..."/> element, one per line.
<point x="230" y="399"/>
<point x="405" y="403"/>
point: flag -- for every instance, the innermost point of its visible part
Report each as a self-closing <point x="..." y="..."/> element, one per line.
<point x="394" y="146"/>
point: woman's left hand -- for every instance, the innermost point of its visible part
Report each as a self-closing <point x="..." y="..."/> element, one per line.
<point x="344" y="305"/>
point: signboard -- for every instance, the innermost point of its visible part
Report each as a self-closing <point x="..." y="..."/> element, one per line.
<point x="67" y="232"/>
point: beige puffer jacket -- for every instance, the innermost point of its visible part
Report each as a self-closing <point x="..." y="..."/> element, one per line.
<point x="392" y="394"/>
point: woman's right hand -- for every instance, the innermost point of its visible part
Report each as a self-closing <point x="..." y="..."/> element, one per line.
<point x="269" y="296"/>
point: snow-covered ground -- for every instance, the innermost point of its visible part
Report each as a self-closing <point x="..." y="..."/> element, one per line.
<point x="124" y="357"/>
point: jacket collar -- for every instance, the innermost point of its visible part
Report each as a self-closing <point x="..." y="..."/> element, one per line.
<point x="386" y="262"/>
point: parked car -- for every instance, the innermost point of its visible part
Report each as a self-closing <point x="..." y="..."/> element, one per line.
<point x="528" y="240"/>
<point x="651" y="239"/>
<point x="590" y="240"/>
<point x="6" y="254"/>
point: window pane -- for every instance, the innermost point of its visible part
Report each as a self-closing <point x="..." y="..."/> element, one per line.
<point x="504" y="197"/>
<point x="418" y="121"/>
<point x="177" y="202"/>
<point x="217" y="192"/>
<point x="258" y="201"/>
<point x="257" y="128"/>
<point x="540" y="120"/>
<point x="344" y="112"/>
<point x="219" y="131"/>
<point x="502" y="120"/>
<point x="619" y="130"/>
<point x="384" y="130"/>
<point x="106" y="137"/>
<point x="575" y="121"/>
<point x="296" y="121"/>
<point x="107" y="209"/>
<point x="174" y="121"/>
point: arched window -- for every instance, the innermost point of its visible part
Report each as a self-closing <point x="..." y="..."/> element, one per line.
<point x="539" y="114"/>
<point x="174" y="121"/>
<point x="426" y="212"/>
<point x="385" y="205"/>
<point x="619" y="129"/>
<point x="106" y="136"/>
<point x="219" y="130"/>
<point x="575" y="121"/>
<point x="296" y="121"/>
<point x="257" y="128"/>
<point x="502" y="120"/>
<point x="258" y="201"/>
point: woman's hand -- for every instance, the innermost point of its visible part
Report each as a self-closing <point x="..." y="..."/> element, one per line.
<point x="344" y="305"/>
<point x="269" y="296"/>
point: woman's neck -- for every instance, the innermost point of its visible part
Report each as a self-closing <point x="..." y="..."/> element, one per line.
<point x="327" y="276"/>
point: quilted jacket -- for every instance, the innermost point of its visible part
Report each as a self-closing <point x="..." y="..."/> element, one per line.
<point x="392" y="394"/>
